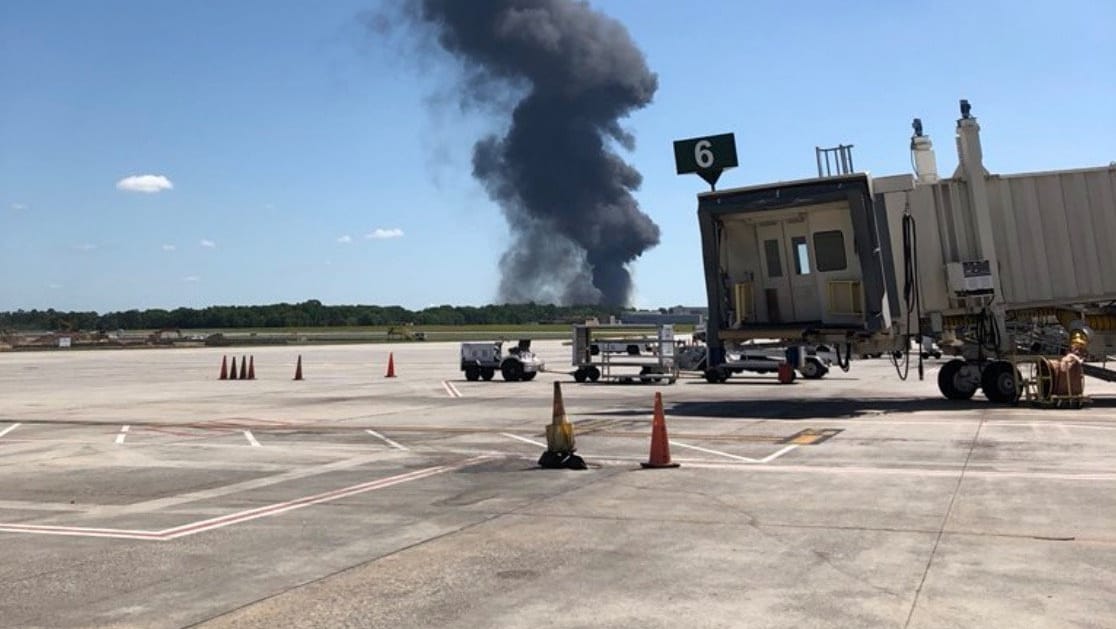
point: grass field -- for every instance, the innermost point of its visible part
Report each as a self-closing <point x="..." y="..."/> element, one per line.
<point x="307" y="336"/>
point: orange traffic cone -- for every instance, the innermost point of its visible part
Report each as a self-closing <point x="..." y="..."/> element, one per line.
<point x="232" y="370"/>
<point x="243" y="368"/>
<point x="224" y="368"/>
<point x="660" y="445"/>
<point x="391" y="366"/>
<point x="560" y="438"/>
<point x="298" y="368"/>
<point x="251" y="367"/>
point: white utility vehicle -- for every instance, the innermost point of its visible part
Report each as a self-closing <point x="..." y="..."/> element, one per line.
<point x="482" y="360"/>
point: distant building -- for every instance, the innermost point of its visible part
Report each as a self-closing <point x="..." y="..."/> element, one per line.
<point x="678" y="315"/>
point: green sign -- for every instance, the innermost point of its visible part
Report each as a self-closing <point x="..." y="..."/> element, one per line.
<point x="712" y="153"/>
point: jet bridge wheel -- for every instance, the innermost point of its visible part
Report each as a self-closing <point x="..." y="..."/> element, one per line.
<point x="1001" y="382"/>
<point x="959" y="380"/>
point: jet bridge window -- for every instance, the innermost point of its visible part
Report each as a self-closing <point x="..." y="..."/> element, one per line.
<point x="829" y="251"/>
<point x="774" y="262"/>
<point x="801" y="255"/>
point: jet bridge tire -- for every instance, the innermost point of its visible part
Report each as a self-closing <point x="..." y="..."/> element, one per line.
<point x="954" y="383"/>
<point x="487" y="373"/>
<point x="472" y="374"/>
<point x="512" y="370"/>
<point x="997" y="383"/>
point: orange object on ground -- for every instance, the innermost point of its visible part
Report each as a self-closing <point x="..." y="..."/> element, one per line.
<point x="298" y="368"/>
<point x="251" y="367"/>
<point x="232" y="370"/>
<point x="786" y="373"/>
<point x="243" y="368"/>
<point x="391" y="366"/>
<point x="660" y="445"/>
<point x="224" y="368"/>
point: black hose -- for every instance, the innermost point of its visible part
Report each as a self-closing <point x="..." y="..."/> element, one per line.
<point x="911" y="296"/>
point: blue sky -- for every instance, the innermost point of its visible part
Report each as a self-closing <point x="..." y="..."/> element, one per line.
<point x="310" y="160"/>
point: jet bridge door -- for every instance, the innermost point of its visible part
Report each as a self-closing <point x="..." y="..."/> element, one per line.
<point x="802" y="271"/>
<point x="776" y="285"/>
<point x="789" y="284"/>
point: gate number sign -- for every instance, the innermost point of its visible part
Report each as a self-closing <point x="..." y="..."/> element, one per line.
<point x="706" y="156"/>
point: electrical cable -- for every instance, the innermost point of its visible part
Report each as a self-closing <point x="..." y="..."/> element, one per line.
<point x="911" y="295"/>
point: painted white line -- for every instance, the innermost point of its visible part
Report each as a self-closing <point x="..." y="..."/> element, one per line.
<point x="78" y="531"/>
<point x="9" y="429"/>
<point x="450" y="389"/>
<point x="708" y="451"/>
<point x="242" y="516"/>
<point x="772" y="457"/>
<point x="251" y="439"/>
<point x="523" y="439"/>
<point x="123" y="433"/>
<point x="385" y="439"/>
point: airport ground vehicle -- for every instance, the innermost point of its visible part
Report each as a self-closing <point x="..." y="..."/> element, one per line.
<point x="481" y="360"/>
<point x="998" y="270"/>
<point x="624" y="353"/>
<point x="814" y="364"/>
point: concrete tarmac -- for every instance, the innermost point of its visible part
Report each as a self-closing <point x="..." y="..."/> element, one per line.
<point x="137" y="490"/>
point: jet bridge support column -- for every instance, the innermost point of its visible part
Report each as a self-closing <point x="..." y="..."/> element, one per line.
<point x="971" y="169"/>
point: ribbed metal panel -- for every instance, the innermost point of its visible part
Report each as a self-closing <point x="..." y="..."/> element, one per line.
<point x="1055" y="235"/>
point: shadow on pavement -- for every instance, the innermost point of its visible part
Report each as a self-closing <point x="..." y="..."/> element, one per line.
<point x="782" y="408"/>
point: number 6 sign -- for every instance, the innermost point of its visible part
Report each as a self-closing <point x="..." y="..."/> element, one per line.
<point x="706" y="156"/>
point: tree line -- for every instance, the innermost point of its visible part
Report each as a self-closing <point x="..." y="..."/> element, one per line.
<point x="307" y="314"/>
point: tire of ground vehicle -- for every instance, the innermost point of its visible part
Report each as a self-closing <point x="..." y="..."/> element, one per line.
<point x="512" y="370"/>
<point x="528" y="376"/>
<point x="1001" y="382"/>
<point x="487" y="373"/>
<point x="813" y="368"/>
<point x="645" y="375"/>
<point x="593" y="373"/>
<point x="955" y="380"/>
<point x="716" y="375"/>
<point x="581" y="374"/>
<point x="472" y="374"/>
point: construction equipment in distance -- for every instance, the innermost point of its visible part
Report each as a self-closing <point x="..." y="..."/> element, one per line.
<point x="481" y="360"/>
<point x="624" y="353"/>
<point x="998" y="270"/>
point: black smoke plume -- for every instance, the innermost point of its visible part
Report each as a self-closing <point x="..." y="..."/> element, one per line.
<point x="573" y="74"/>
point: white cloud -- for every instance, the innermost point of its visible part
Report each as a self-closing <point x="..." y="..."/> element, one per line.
<point x="169" y="247"/>
<point x="54" y="286"/>
<point x="208" y="244"/>
<point x="346" y="239"/>
<point x="380" y="233"/>
<point x="19" y="206"/>
<point x="85" y="246"/>
<point x="149" y="184"/>
<point x="191" y="278"/>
